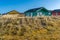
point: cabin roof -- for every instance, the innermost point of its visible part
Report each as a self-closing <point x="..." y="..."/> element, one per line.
<point x="57" y="10"/>
<point x="14" y="12"/>
<point x="33" y="10"/>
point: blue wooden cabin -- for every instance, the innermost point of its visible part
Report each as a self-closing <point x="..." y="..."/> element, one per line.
<point x="38" y="12"/>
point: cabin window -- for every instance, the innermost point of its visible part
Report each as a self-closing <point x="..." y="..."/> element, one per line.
<point x="39" y="14"/>
<point x="31" y="14"/>
<point x="49" y="13"/>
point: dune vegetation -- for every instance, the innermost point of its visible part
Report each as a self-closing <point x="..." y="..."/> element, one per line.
<point x="30" y="28"/>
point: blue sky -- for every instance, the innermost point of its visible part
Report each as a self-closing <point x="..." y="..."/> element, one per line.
<point x="23" y="5"/>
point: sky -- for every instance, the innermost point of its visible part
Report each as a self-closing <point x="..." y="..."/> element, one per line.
<point x="24" y="5"/>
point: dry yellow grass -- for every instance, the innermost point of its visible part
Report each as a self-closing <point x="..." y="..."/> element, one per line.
<point x="36" y="28"/>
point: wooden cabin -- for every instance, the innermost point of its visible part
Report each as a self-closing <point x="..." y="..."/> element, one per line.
<point x="14" y="12"/>
<point x="56" y="12"/>
<point x="37" y="12"/>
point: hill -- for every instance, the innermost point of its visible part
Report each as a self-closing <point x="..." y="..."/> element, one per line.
<point x="30" y="28"/>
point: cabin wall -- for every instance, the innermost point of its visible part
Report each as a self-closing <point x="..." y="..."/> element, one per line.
<point x="55" y="13"/>
<point x="58" y="13"/>
<point x="45" y="13"/>
<point x="34" y="14"/>
<point x="39" y="12"/>
<point x="27" y="14"/>
<point x="31" y="14"/>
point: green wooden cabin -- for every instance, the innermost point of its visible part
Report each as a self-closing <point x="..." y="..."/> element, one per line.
<point x="38" y="12"/>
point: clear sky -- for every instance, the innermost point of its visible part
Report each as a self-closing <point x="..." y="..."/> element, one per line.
<point x="23" y="5"/>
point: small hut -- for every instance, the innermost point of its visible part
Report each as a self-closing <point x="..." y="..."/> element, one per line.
<point x="14" y="12"/>
<point x="56" y="12"/>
